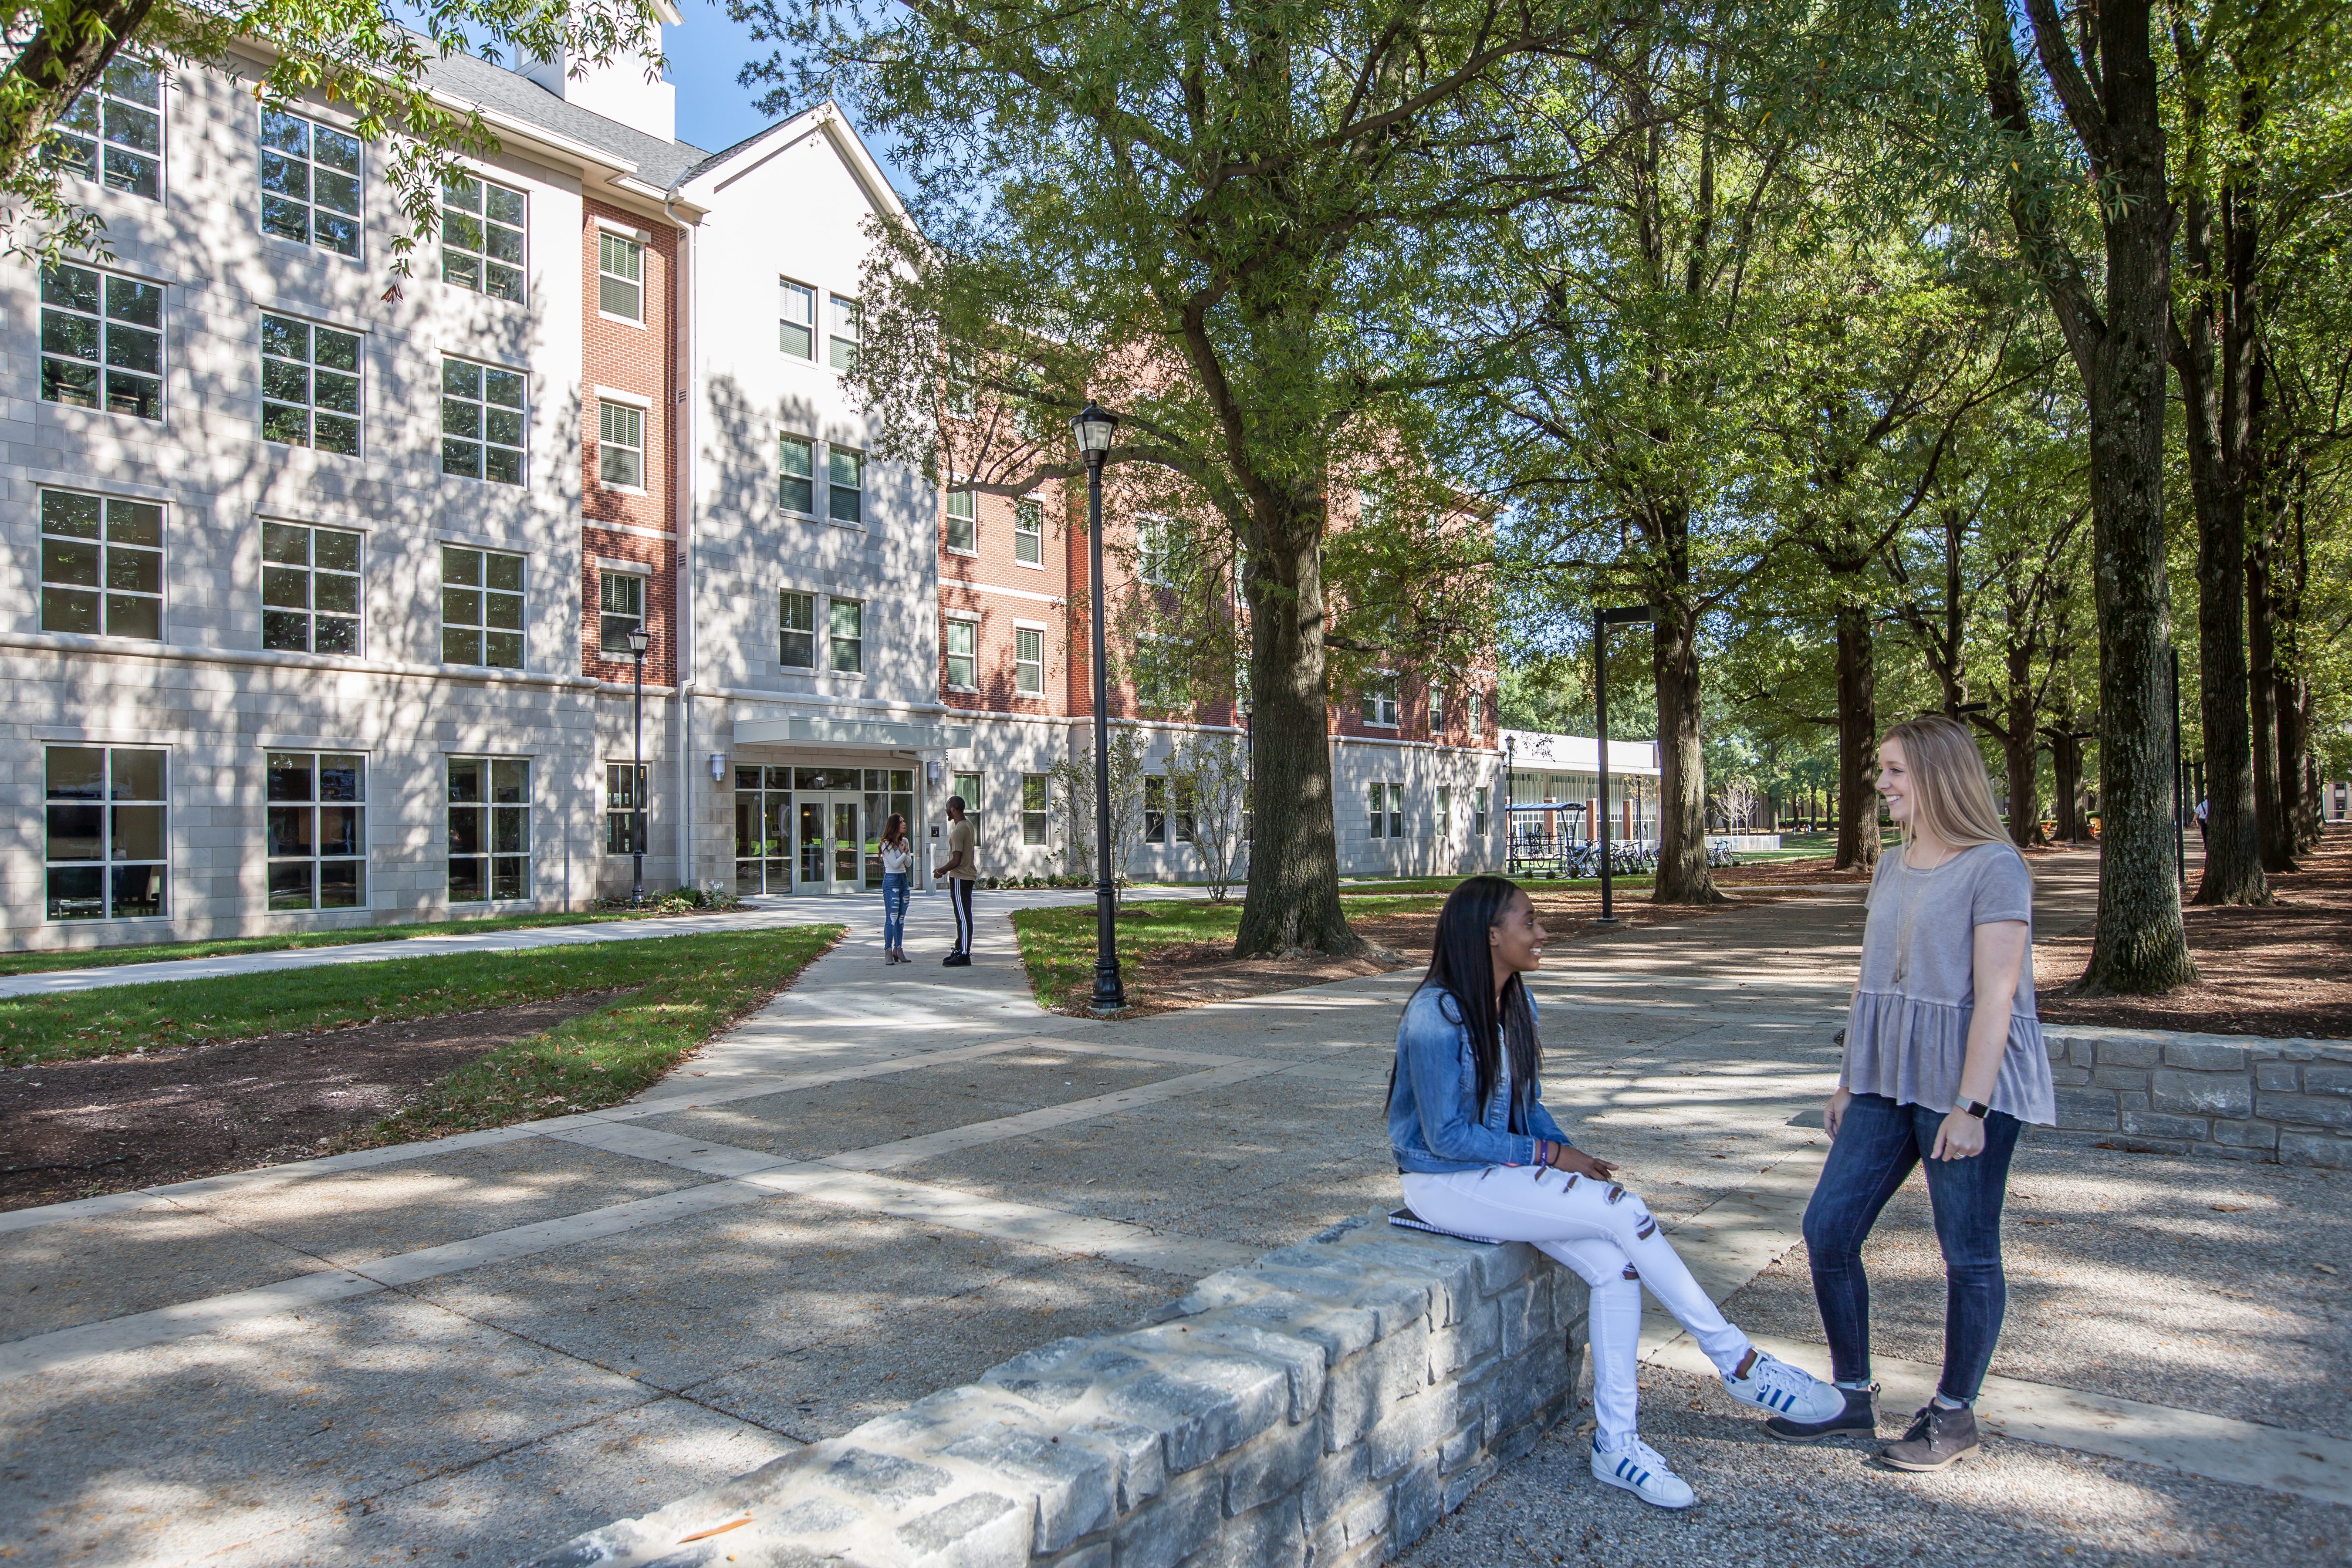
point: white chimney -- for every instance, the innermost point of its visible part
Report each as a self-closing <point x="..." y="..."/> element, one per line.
<point x="618" y="91"/>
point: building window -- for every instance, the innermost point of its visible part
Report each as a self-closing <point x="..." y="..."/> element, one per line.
<point x="1396" y="811"/>
<point x="309" y="588"/>
<point x="482" y="421"/>
<point x="318" y="835"/>
<point x="1029" y="661"/>
<point x="1155" y="560"/>
<point x="796" y="617"/>
<point x="1470" y="716"/>
<point x="966" y="787"/>
<point x="841" y="319"/>
<point x="101" y="566"/>
<point x="105" y="833"/>
<point x="310" y="385"/>
<point x="621" y="609"/>
<point x="113" y="133"/>
<point x="963" y="664"/>
<point x="1155" y="809"/>
<point x="1388" y="811"/>
<point x="796" y="466"/>
<point x="621" y="445"/>
<point x="1436" y="709"/>
<point x="1478" y="812"/>
<point x="92" y="319"/>
<point x="310" y="182"/>
<point x="624" y="790"/>
<point x="620" y="276"/>
<point x="490" y="829"/>
<point x="1444" y="822"/>
<point x="846" y="470"/>
<point x="797" y="332"/>
<point x="1381" y="700"/>
<point x="1034" y="798"/>
<point x="845" y="636"/>
<point x="963" y="523"/>
<point x="481" y="607"/>
<point x="1029" y="532"/>
<point x="481" y="237"/>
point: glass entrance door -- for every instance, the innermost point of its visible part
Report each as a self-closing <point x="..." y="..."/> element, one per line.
<point x="829" y="843"/>
<point x="763" y="811"/>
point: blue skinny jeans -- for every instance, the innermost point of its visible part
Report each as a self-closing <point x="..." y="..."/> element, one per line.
<point x="897" y="888"/>
<point x="1877" y="1147"/>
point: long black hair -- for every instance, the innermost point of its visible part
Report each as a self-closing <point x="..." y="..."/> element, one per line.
<point x="1461" y="964"/>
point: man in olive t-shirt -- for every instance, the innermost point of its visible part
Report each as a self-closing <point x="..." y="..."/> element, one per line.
<point x="962" y="868"/>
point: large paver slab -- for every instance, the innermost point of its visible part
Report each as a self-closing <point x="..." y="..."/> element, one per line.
<point x="78" y="1271"/>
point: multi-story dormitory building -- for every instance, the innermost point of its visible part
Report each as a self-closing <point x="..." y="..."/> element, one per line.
<point x="324" y="588"/>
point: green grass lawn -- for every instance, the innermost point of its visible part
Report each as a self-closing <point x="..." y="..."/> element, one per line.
<point x="682" y="991"/>
<point x="157" y="952"/>
<point x="1057" y="946"/>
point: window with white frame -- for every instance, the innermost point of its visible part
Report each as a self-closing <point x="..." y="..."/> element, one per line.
<point x="1034" y="796"/>
<point x="490" y="829"/>
<point x="310" y="182"/>
<point x="1180" y="815"/>
<point x="963" y="523"/>
<point x="310" y="385"/>
<point x="963" y="654"/>
<point x="1396" y="810"/>
<point x="845" y="484"/>
<point x="845" y="635"/>
<point x="1029" y="661"/>
<point x="796" y="332"/>
<point x="101" y="341"/>
<point x="1155" y="809"/>
<point x="966" y="787"/>
<point x="620" y="276"/>
<point x="1471" y="715"/>
<point x="796" y="630"/>
<point x="309" y="588"/>
<point x="1444" y="822"/>
<point x="620" y="610"/>
<point x="1029" y="532"/>
<point x="113" y="132"/>
<point x="1381" y="700"/>
<point x="1478" y="812"/>
<point x="1387" y="816"/>
<point x="105" y="840"/>
<point x="483" y="413"/>
<point x="481" y="607"/>
<point x="482" y="238"/>
<point x="1155" y="545"/>
<point x="1436" y="709"/>
<point x="796" y="474"/>
<point x="620" y="446"/>
<point x="101" y="565"/>
<point x="625" y="794"/>
<point x="317" y="830"/>
<point x="842" y="323"/>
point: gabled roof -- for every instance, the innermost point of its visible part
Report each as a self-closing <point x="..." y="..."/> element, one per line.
<point x="658" y="164"/>
<point x="826" y="116"/>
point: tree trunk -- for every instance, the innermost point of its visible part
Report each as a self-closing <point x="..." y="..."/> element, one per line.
<point x="2066" y="774"/>
<point x="1683" y="876"/>
<point x="1857" y="710"/>
<point x="2021" y="751"/>
<point x="1294" y="869"/>
<point x="2275" y="835"/>
<point x="2295" y="778"/>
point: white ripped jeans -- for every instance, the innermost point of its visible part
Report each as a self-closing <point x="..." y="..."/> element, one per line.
<point x="1606" y="1235"/>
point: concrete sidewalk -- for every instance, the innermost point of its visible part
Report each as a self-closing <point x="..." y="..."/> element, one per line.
<point x="888" y="1179"/>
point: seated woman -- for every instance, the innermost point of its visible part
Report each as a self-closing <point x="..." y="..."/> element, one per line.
<point x="1481" y="1157"/>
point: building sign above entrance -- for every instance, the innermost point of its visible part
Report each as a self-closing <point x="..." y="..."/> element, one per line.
<point x="853" y="733"/>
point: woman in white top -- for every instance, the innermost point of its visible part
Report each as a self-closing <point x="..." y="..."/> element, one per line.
<point x="897" y="886"/>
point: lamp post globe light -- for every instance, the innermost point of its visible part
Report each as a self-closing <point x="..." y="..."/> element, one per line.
<point x="1094" y="427"/>
<point x="639" y="640"/>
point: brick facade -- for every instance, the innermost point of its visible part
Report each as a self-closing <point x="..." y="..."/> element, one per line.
<point x="636" y="525"/>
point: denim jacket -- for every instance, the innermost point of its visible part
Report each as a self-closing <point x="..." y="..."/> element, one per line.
<point x="1433" y="1122"/>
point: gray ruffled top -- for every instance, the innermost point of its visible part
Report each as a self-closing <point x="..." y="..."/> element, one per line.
<point x="1908" y="1032"/>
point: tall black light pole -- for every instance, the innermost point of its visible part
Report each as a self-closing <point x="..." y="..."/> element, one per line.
<point x="2179" y="783"/>
<point x="1095" y="428"/>
<point x="638" y="642"/>
<point x="1602" y="621"/>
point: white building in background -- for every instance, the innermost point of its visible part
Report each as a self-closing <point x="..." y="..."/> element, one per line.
<point x="1563" y="773"/>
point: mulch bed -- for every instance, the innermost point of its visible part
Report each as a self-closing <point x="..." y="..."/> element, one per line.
<point x="112" y="1123"/>
<point x="2283" y="970"/>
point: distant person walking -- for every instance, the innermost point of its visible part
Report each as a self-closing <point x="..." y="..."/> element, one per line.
<point x="960" y="871"/>
<point x="897" y="886"/>
<point x="2201" y="812"/>
<point x="1944" y="1064"/>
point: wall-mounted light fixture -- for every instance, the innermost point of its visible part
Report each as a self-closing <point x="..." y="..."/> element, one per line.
<point x="717" y="767"/>
<point x="931" y="771"/>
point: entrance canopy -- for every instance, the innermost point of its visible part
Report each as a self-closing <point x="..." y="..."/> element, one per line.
<point x="876" y="732"/>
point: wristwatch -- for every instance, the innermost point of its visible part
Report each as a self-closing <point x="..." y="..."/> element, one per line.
<point x="1976" y="1107"/>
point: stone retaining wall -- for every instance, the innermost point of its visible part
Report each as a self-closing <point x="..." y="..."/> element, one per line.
<point x="1320" y="1407"/>
<point x="2234" y="1097"/>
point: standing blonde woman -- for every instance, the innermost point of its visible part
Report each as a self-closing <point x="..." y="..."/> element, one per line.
<point x="1945" y="1064"/>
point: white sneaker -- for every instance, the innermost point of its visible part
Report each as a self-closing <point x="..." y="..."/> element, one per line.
<point x="1637" y="1467"/>
<point x="1784" y="1390"/>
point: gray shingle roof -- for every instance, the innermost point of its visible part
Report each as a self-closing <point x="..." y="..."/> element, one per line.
<point x="658" y="162"/>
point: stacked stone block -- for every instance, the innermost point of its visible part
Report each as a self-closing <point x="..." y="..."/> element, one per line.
<point x="2232" y="1096"/>
<point x="1322" y="1407"/>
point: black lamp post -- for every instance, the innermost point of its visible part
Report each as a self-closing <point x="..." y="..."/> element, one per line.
<point x="1602" y="621"/>
<point x="1095" y="428"/>
<point x="638" y="642"/>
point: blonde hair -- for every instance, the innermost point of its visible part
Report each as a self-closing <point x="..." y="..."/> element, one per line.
<point x="1951" y="795"/>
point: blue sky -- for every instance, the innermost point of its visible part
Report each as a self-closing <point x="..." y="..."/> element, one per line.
<point x="704" y="56"/>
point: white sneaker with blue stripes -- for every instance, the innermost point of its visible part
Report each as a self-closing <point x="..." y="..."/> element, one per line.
<point x="1636" y="1466"/>
<point x="1784" y="1390"/>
